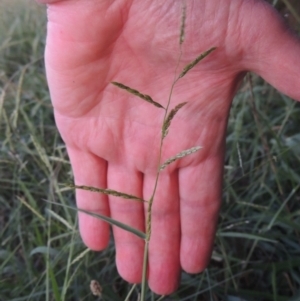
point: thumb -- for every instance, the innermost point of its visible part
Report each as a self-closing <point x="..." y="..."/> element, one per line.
<point x="274" y="51"/>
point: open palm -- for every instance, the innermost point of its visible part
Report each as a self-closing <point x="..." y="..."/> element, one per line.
<point x="113" y="137"/>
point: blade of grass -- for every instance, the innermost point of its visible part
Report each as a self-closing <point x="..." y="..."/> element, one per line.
<point x="274" y="286"/>
<point x="281" y="207"/>
<point x="59" y="218"/>
<point x="15" y="113"/>
<point x="67" y="281"/>
<point x="35" y="212"/>
<point x="55" y="287"/>
<point x="80" y="256"/>
<point x="109" y="220"/>
<point x="130" y="292"/>
<point x="42" y="153"/>
<point x="44" y="250"/>
<point x="246" y="236"/>
<point x="2" y="96"/>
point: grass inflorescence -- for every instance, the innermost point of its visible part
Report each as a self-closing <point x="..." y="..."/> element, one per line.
<point x="166" y="122"/>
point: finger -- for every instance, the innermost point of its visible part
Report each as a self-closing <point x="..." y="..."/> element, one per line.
<point x="274" y="51"/>
<point x="129" y="247"/>
<point x="164" y="267"/>
<point x="49" y="1"/>
<point x="200" y="196"/>
<point x="91" y="171"/>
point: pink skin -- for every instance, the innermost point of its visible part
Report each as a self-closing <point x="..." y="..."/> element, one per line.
<point x="112" y="137"/>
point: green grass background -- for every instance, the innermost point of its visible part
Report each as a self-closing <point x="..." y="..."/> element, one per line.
<point x="257" y="248"/>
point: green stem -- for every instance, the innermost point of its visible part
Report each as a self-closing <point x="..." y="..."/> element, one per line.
<point x="148" y="232"/>
<point x="144" y="276"/>
<point x="150" y="203"/>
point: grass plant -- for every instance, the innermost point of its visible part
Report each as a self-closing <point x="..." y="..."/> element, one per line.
<point x="257" y="248"/>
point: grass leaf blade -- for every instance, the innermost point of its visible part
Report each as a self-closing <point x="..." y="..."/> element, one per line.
<point x="55" y="288"/>
<point x="107" y="192"/>
<point x="246" y="236"/>
<point x="138" y="94"/>
<point x="180" y="155"/>
<point x="170" y="117"/>
<point x="107" y="219"/>
<point x="114" y="222"/>
<point x="191" y="65"/>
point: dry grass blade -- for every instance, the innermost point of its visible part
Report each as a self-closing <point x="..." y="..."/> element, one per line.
<point x="182" y="25"/>
<point x="59" y="218"/>
<point x="2" y="96"/>
<point x="180" y="155"/>
<point x="170" y="117"/>
<point x="138" y="94"/>
<point x="130" y="292"/>
<point x="191" y="65"/>
<point x="80" y="256"/>
<point x="15" y="114"/>
<point x="246" y="236"/>
<point x="35" y="212"/>
<point x="108" y="192"/>
<point x="42" y="153"/>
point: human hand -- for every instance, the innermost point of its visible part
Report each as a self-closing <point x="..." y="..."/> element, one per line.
<point x="113" y="138"/>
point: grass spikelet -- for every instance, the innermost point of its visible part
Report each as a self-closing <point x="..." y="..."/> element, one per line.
<point x="107" y="192"/>
<point x="180" y="155"/>
<point x="170" y="117"/>
<point x="191" y="65"/>
<point x="138" y="94"/>
<point x="182" y="25"/>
